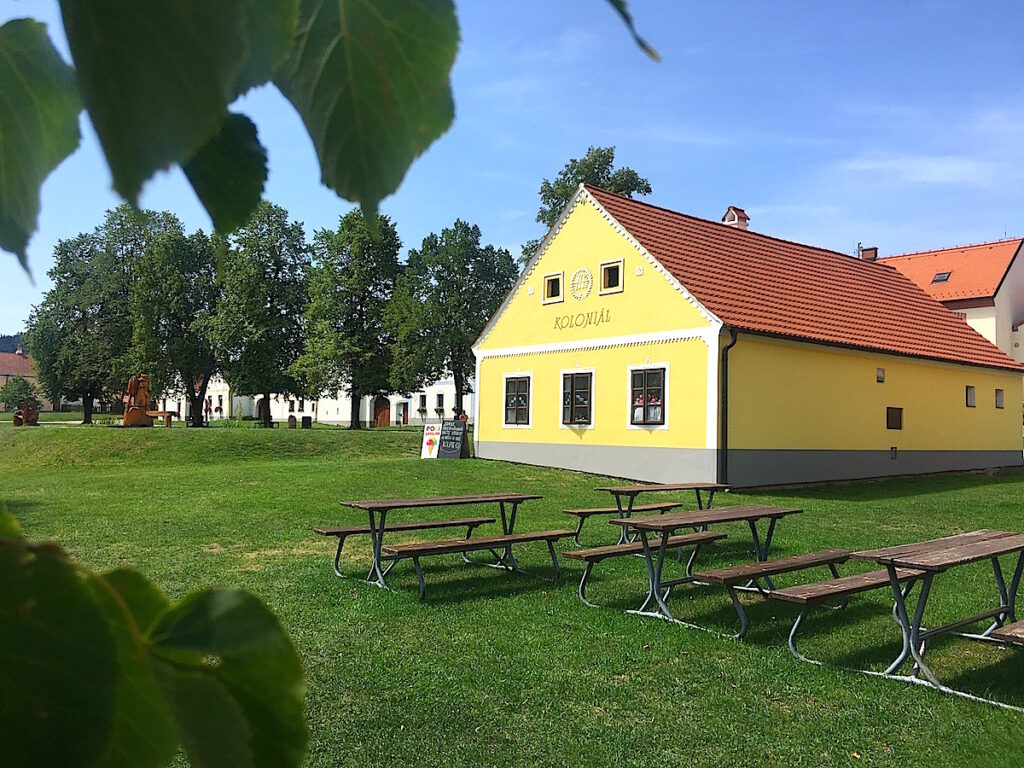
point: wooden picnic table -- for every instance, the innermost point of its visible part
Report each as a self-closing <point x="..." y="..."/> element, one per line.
<point x="382" y="507"/>
<point x="666" y="525"/>
<point x="630" y="492"/>
<point x="931" y="558"/>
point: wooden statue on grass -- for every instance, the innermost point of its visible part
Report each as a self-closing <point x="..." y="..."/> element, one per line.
<point x="136" y="403"/>
<point x="27" y="414"/>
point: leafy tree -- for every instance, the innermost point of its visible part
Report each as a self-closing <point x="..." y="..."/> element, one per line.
<point x="259" y="326"/>
<point x="123" y="238"/>
<point x="597" y="168"/>
<point x="406" y="321"/>
<point x="81" y="335"/>
<point x="64" y="333"/>
<point x="350" y="289"/>
<point x="460" y="284"/>
<point x="16" y="391"/>
<point x="174" y="309"/>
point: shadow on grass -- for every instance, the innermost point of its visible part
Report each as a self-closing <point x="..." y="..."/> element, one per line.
<point x="475" y="581"/>
<point x="883" y="489"/>
<point x="21" y="509"/>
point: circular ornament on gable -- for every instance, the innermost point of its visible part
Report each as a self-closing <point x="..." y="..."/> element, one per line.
<point x="581" y="283"/>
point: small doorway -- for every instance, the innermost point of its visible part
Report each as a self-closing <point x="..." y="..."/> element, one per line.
<point x="402" y="415"/>
<point x="381" y="412"/>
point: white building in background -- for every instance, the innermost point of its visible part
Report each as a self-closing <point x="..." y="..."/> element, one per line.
<point x="427" y="406"/>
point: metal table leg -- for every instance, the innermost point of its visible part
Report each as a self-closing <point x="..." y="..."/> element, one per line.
<point x="761" y="551"/>
<point x="625" y="514"/>
<point x="376" y="575"/>
<point x="654" y="579"/>
<point x="506" y="560"/>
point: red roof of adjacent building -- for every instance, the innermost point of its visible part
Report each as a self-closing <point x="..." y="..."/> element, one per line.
<point x="766" y="285"/>
<point x="974" y="271"/>
<point x="12" y="364"/>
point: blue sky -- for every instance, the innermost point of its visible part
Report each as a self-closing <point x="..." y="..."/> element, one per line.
<point x="900" y="125"/>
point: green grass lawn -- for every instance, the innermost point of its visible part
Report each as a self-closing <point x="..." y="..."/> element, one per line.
<point x="496" y="668"/>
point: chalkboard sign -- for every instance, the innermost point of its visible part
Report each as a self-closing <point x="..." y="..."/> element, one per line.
<point x="453" y="443"/>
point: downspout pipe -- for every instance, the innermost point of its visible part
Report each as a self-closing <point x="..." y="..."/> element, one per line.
<point x="723" y="442"/>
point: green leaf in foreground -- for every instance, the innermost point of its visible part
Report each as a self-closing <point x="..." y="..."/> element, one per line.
<point x="9" y="528"/>
<point x="623" y="11"/>
<point x="228" y="173"/>
<point x="144" y="735"/>
<point x="224" y="651"/>
<point x="371" y="83"/>
<point x="58" y="662"/>
<point x="39" y="109"/>
<point x="157" y="78"/>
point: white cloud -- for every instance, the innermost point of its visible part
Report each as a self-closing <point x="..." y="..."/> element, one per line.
<point x="925" y="169"/>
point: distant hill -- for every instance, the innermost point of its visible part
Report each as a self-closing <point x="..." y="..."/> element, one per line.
<point x="9" y="343"/>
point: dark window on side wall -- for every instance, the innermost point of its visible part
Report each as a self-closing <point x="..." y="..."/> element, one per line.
<point x="647" y="397"/>
<point x="576" y="399"/>
<point x="517" y="400"/>
<point x="893" y="418"/>
<point x="1000" y="398"/>
<point x="969" y="396"/>
<point x="880" y="375"/>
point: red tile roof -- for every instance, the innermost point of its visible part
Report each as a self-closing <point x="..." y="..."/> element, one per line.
<point x="766" y="285"/>
<point x="12" y="364"/>
<point x="975" y="271"/>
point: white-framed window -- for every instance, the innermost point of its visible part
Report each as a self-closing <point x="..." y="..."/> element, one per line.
<point x="554" y="288"/>
<point x="969" y="396"/>
<point x="610" y="276"/>
<point x="440" y="401"/>
<point x="648" y="396"/>
<point x="577" y="399"/>
<point x="880" y="375"/>
<point x="423" y="402"/>
<point x="1000" y="399"/>
<point x="518" y="403"/>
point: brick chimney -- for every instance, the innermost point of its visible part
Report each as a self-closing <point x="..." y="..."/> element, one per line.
<point x="736" y="217"/>
<point x="869" y="254"/>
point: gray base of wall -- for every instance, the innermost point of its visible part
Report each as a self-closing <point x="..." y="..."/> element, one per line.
<point x="653" y="465"/>
<point x="765" y="467"/>
<point x="746" y="468"/>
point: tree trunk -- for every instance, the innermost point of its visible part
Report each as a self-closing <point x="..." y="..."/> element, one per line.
<point x="460" y="385"/>
<point x="353" y="420"/>
<point x="87" y="405"/>
<point x="198" y="403"/>
<point x="267" y="421"/>
<point x="195" y="405"/>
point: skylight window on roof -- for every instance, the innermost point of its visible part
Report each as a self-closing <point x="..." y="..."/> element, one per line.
<point x="941" y="277"/>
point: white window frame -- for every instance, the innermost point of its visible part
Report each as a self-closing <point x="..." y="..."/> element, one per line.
<point x="601" y="290"/>
<point x="593" y="377"/>
<point x="529" y="405"/>
<point x="629" y="393"/>
<point x="544" y="288"/>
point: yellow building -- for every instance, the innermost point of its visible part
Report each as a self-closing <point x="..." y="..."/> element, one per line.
<point x="647" y="344"/>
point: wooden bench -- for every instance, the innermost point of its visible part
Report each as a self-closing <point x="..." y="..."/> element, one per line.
<point x="1011" y="634"/>
<point x="165" y="415"/>
<point x="747" y="576"/>
<point x="594" y="555"/>
<point x="812" y="595"/>
<point x="343" y="532"/>
<point x="586" y="514"/>
<point x="418" y="549"/>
